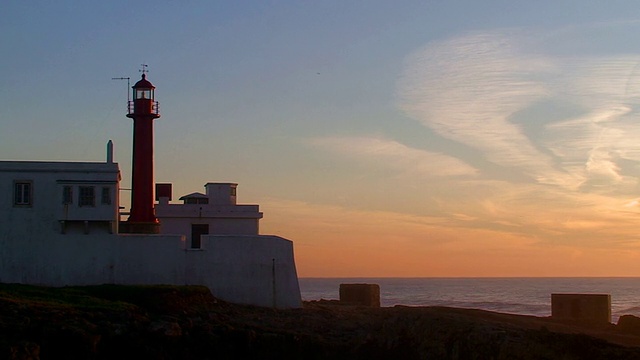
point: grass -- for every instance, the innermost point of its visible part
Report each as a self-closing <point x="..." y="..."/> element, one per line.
<point x="107" y="298"/>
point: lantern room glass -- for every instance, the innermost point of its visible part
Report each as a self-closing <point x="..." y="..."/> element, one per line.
<point x="144" y="94"/>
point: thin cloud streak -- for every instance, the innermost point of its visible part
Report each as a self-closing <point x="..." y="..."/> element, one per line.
<point x="402" y="159"/>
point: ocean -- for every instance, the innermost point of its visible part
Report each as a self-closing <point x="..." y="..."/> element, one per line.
<point x="523" y="296"/>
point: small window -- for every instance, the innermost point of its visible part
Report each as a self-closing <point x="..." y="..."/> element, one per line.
<point x="143" y="93"/>
<point x="87" y="196"/>
<point x="196" y="201"/>
<point x="23" y="193"/>
<point x="67" y="195"/>
<point x="106" y="196"/>
<point x="233" y="191"/>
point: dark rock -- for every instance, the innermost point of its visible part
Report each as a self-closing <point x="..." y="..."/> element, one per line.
<point x="166" y="328"/>
<point x="25" y="351"/>
<point x="112" y="322"/>
<point x="629" y="324"/>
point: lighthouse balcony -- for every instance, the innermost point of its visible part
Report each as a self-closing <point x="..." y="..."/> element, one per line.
<point x="143" y="106"/>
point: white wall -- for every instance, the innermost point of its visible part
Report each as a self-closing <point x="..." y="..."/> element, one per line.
<point x="216" y="226"/>
<point x="221" y="193"/>
<point x="238" y="269"/>
<point x="257" y="269"/>
<point x="222" y="219"/>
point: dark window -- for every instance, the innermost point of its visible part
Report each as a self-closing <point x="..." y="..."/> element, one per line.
<point x="22" y="193"/>
<point x="196" y="201"/>
<point x="106" y="196"/>
<point x="67" y="195"/>
<point x="87" y="196"/>
<point x="233" y="191"/>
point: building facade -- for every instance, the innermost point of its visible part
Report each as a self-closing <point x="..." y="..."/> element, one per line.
<point x="60" y="226"/>
<point x="67" y="197"/>
<point x="215" y="212"/>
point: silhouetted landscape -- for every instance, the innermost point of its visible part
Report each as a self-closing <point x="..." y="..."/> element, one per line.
<point x="175" y="322"/>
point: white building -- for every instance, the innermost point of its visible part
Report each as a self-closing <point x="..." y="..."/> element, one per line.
<point x="65" y="197"/>
<point x="59" y="226"/>
<point x="215" y="213"/>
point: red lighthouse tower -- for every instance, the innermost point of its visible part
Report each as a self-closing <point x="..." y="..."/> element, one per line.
<point x="143" y="110"/>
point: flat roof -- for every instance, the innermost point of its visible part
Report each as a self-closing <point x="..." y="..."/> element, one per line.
<point x="58" y="166"/>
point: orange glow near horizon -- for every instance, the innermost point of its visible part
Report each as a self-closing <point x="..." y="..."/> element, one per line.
<point x="334" y="242"/>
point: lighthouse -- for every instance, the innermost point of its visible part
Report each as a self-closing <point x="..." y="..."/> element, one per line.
<point x="143" y="109"/>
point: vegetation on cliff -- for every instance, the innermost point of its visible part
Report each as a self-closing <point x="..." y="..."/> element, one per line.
<point x="187" y="322"/>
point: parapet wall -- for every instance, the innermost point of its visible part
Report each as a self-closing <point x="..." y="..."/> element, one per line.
<point x="257" y="270"/>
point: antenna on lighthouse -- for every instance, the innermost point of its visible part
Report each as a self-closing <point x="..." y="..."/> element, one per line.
<point x="128" y="86"/>
<point x="144" y="69"/>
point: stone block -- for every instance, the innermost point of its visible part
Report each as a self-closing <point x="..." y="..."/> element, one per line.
<point x="594" y="308"/>
<point x="360" y="294"/>
<point x="629" y="324"/>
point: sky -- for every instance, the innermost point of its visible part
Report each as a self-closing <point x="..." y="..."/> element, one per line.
<point x="407" y="138"/>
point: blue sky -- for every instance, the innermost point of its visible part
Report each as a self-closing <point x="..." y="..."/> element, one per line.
<point x="413" y="138"/>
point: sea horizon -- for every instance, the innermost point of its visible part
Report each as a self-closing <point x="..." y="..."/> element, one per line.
<point x="512" y="295"/>
<point x="467" y="277"/>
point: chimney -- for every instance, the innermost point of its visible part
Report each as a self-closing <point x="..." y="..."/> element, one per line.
<point x="110" y="152"/>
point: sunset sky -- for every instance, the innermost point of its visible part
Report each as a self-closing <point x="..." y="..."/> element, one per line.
<point x="385" y="138"/>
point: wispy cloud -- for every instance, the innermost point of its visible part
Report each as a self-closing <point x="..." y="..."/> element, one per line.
<point x="471" y="89"/>
<point x="402" y="159"/>
<point x="466" y="89"/>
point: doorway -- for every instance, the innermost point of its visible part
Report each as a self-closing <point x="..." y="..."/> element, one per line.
<point x="196" y="231"/>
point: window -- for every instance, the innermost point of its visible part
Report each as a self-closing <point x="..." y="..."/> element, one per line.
<point x="143" y="93"/>
<point x="233" y="191"/>
<point x="67" y="195"/>
<point x="106" y="196"/>
<point x="23" y="193"/>
<point x="87" y="196"/>
<point x="195" y="200"/>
